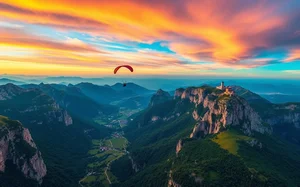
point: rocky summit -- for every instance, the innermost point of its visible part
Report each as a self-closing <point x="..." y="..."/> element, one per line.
<point x="214" y="109"/>
<point x="159" y="97"/>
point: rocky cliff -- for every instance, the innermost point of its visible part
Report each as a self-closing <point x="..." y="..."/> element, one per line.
<point x="17" y="145"/>
<point x="215" y="110"/>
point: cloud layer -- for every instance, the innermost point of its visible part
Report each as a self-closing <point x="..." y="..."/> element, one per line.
<point x="189" y="36"/>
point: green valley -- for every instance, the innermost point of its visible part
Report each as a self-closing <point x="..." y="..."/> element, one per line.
<point x="105" y="151"/>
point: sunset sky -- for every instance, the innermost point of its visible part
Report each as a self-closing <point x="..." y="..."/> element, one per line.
<point x="247" y="38"/>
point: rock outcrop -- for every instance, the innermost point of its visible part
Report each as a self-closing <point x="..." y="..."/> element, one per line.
<point x="200" y="129"/>
<point x="67" y="119"/>
<point x="16" y="144"/>
<point x="179" y="146"/>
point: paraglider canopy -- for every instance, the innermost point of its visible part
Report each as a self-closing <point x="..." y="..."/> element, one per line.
<point x="125" y="66"/>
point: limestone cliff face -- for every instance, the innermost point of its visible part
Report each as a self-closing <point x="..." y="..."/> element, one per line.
<point x="178" y="93"/>
<point x="16" y="144"/>
<point x="67" y="118"/>
<point x="61" y="116"/>
<point x="215" y="110"/>
<point x="199" y="130"/>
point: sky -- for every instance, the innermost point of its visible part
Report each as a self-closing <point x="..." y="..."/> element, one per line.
<point x="234" y="38"/>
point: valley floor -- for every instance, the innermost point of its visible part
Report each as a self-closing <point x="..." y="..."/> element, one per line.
<point x="105" y="151"/>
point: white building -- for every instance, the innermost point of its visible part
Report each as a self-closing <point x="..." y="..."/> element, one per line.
<point x="221" y="87"/>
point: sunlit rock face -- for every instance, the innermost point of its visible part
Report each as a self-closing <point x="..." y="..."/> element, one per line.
<point x="214" y="110"/>
<point x="16" y="144"/>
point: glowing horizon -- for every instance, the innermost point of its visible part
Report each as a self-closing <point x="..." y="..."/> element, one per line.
<point x="158" y="38"/>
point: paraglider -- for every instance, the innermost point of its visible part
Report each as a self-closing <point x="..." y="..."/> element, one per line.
<point x="125" y="66"/>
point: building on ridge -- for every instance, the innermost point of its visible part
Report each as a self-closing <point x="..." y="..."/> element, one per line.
<point x="227" y="89"/>
<point x="221" y="87"/>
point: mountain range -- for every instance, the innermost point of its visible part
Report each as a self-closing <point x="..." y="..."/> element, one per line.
<point x="276" y="91"/>
<point x="193" y="136"/>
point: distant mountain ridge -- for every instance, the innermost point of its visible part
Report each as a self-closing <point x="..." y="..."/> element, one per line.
<point x="6" y="81"/>
<point x="101" y="94"/>
<point x="72" y="99"/>
<point x="131" y="86"/>
<point x="132" y="96"/>
<point x="19" y="103"/>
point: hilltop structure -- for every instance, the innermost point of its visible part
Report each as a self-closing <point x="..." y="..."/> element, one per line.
<point x="228" y="90"/>
<point x="221" y="87"/>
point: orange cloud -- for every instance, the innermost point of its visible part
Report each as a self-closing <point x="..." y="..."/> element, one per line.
<point x="228" y="33"/>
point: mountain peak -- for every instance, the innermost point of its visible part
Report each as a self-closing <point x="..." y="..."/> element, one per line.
<point x="9" y="90"/>
<point x="159" y="97"/>
<point x="161" y="92"/>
